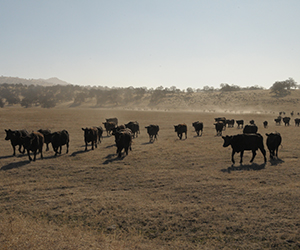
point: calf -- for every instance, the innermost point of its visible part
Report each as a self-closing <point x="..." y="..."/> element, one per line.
<point x="286" y="121"/>
<point x="109" y="127"/>
<point x="265" y="123"/>
<point x="242" y="142"/>
<point x="277" y="120"/>
<point x="198" y="127"/>
<point x="33" y="142"/>
<point x="297" y="121"/>
<point x="90" y="135"/>
<point x="123" y="140"/>
<point x="152" y="131"/>
<point x="180" y="129"/>
<point x="230" y="123"/>
<point x="58" y="139"/>
<point x="100" y="133"/>
<point x="250" y="129"/>
<point x="134" y="127"/>
<point x="15" y="139"/>
<point x="47" y="136"/>
<point x="219" y="128"/>
<point x="240" y="123"/>
<point x="273" y="143"/>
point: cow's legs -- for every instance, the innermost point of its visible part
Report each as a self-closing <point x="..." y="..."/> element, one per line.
<point x="241" y="156"/>
<point x="253" y="155"/>
<point x="232" y="157"/>
<point x="67" y="148"/>
<point x="263" y="151"/>
<point x="28" y="153"/>
<point x="14" y="148"/>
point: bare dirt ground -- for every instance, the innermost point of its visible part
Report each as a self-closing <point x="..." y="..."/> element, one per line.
<point x="170" y="194"/>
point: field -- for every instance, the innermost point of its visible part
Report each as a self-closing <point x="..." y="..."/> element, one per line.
<point x="170" y="194"/>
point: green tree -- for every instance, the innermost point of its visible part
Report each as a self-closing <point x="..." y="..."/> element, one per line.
<point x="283" y="88"/>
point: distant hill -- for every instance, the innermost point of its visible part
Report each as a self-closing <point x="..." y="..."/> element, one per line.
<point x="43" y="82"/>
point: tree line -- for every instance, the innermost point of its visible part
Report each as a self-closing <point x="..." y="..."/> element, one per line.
<point x="49" y="96"/>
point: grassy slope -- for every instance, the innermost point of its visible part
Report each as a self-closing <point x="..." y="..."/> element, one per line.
<point x="171" y="194"/>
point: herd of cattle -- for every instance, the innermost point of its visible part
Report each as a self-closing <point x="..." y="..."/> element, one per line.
<point x="248" y="140"/>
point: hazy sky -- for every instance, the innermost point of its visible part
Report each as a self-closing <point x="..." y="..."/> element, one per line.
<point x="151" y="43"/>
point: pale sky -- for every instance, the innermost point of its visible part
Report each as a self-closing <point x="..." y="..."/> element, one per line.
<point x="151" y="43"/>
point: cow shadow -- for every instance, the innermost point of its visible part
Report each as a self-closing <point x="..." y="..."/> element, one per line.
<point x="242" y="167"/>
<point x="112" y="158"/>
<point x="78" y="152"/>
<point x="14" y="165"/>
<point x="147" y="143"/>
<point x="6" y="156"/>
<point x="275" y="161"/>
<point x="110" y="146"/>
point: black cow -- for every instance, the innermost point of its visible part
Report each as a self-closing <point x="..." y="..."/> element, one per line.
<point x="265" y="123"/>
<point x="47" y="136"/>
<point x="297" y="121"/>
<point x="250" y="129"/>
<point x="242" y="142"/>
<point x="273" y="143"/>
<point x="123" y="140"/>
<point x="252" y="122"/>
<point x="90" y="135"/>
<point x="109" y="126"/>
<point x="134" y="127"/>
<point x="198" y="127"/>
<point x="230" y="123"/>
<point x="15" y="139"/>
<point x="33" y="142"/>
<point x="219" y="127"/>
<point x="221" y="119"/>
<point x="58" y="139"/>
<point x="113" y="120"/>
<point x="180" y="129"/>
<point x="278" y="120"/>
<point x="240" y="123"/>
<point x="286" y="121"/>
<point x="100" y="133"/>
<point x="152" y="131"/>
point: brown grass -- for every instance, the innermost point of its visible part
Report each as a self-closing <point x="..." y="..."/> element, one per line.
<point x="169" y="194"/>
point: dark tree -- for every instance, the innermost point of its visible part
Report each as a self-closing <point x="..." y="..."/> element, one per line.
<point x="283" y="88"/>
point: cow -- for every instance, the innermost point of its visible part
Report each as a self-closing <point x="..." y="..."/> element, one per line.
<point x="242" y="142"/>
<point x="297" y="121"/>
<point x="123" y="140"/>
<point x="47" y="136"/>
<point x="100" y="133"/>
<point x="198" y="127"/>
<point x="58" y="139"/>
<point x="109" y="126"/>
<point x="265" y="123"/>
<point x="221" y="119"/>
<point x="230" y="123"/>
<point x="15" y="139"/>
<point x="219" y="127"/>
<point x="286" y="121"/>
<point x="240" y="123"/>
<point x="250" y="129"/>
<point x="33" y="142"/>
<point x="134" y="127"/>
<point x="180" y="129"/>
<point x="152" y="131"/>
<point x="273" y="143"/>
<point x="113" y="120"/>
<point x="277" y="120"/>
<point x="90" y="135"/>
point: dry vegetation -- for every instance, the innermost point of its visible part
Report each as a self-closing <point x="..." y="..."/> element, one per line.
<point x="169" y="194"/>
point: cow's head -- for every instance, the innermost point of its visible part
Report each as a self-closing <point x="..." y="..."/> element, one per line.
<point x="176" y="128"/>
<point x="27" y="140"/>
<point x="9" y="134"/>
<point x="227" y="140"/>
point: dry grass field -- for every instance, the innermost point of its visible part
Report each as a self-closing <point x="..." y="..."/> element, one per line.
<point x="170" y="194"/>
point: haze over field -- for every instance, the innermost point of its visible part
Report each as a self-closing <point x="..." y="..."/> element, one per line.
<point x="152" y="43"/>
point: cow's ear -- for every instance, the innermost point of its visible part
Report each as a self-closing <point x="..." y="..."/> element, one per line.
<point x="6" y="130"/>
<point x="82" y="129"/>
<point x="267" y="134"/>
